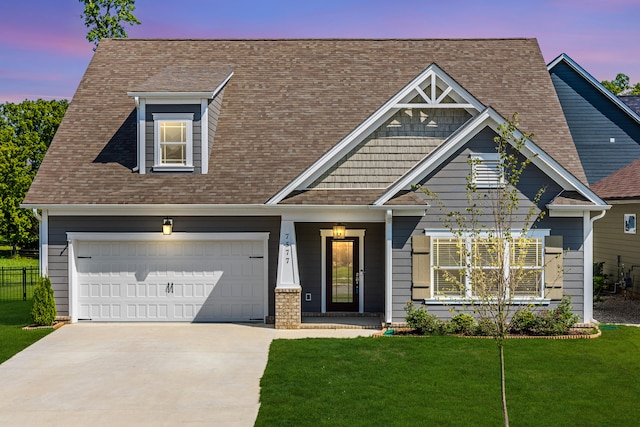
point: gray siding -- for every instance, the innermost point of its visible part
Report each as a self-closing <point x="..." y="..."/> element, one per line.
<point x="449" y="182"/>
<point x="610" y="242"/>
<point x="592" y="120"/>
<point x="149" y="133"/>
<point x="396" y="146"/>
<point x="59" y="226"/>
<point x="214" y="113"/>
<point x="309" y="260"/>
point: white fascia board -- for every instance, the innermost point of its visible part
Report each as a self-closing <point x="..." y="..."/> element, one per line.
<point x="433" y="160"/>
<point x="595" y="83"/>
<point x="180" y="97"/>
<point x="490" y="117"/>
<point x="340" y="213"/>
<point x="560" y="211"/>
<point x="366" y="127"/>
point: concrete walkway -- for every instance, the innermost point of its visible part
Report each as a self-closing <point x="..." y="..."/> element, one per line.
<point x="142" y="375"/>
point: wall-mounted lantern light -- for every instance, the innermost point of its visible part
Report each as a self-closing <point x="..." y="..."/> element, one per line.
<point x="167" y="226"/>
<point x="339" y="231"/>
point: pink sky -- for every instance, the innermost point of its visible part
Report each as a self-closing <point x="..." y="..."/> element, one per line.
<point x="44" y="53"/>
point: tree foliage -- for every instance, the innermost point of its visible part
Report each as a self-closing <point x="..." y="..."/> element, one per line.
<point x="493" y="231"/>
<point x="26" y="131"/>
<point x="621" y="86"/>
<point x="105" y="18"/>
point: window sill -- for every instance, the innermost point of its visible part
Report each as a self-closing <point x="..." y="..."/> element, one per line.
<point x="161" y="168"/>
<point x="461" y="301"/>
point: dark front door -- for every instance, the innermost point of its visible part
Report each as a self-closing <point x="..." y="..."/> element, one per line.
<point x="343" y="274"/>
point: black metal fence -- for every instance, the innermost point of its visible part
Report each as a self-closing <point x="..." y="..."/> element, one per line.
<point x="18" y="283"/>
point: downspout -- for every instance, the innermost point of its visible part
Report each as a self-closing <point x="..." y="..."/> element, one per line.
<point x="137" y="102"/>
<point x="588" y="264"/>
<point x="388" y="258"/>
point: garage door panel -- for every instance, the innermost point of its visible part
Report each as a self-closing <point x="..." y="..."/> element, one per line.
<point x="212" y="281"/>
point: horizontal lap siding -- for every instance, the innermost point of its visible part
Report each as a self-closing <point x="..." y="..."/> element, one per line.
<point x="449" y="182"/>
<point x="610" y="242"/>
<point x="59" y="226"/>
<point x="58" y="273"/>
<point x="593" y="119"/>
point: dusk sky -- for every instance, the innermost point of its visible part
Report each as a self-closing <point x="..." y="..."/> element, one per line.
<point x="44" y="53"/>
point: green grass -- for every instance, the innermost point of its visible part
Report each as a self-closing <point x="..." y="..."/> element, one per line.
<point x="451" y="381"/>
<point x="13" y="316"/>
<point x="18" y="262"/>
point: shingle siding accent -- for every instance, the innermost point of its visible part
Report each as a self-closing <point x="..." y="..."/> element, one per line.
<point x="150" y="140"/>
<point x="593" y="119"/>
<point x="60" y="226"/>
<point x="392" y="149"/>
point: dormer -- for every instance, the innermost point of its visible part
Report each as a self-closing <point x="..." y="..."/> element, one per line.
<point x="177" y="114"/>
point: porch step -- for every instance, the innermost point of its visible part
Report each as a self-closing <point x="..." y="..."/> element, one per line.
<point x="341" y="321"/>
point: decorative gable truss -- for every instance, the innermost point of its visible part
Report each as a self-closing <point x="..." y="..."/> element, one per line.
<point x="394" y="138"/>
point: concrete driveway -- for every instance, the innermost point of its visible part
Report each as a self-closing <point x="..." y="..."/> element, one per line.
<point x="141" y="374"/>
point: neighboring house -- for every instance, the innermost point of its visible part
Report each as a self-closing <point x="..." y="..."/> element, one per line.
<point x="281" y="172"/>
<point x="606" y="133"/>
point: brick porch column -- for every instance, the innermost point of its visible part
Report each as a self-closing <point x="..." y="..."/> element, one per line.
<point x="288" y="308"/>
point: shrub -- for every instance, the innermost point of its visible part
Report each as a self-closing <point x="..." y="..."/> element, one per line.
<point x="486" y="328"/>
<point x="419" y="319"/>
<point x="544" y="323"/>
<point x="463" y="324"/>
<point x="522" y="322"/>
<point x="43" y="310"/>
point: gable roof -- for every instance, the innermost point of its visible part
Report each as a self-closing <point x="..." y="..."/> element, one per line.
<point x="288" y="103"/>
<point x="620" y="184"/>
<point x="595" y="83"/>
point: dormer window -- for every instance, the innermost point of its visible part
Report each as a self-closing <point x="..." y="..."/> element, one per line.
<point x="173" y="141"/>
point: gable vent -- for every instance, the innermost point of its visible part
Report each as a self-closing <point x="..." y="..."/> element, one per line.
<point x="486" y="171"/>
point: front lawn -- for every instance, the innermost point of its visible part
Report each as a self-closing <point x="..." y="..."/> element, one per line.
<point x="13" y="316"/>
<point x="451" y="381"/>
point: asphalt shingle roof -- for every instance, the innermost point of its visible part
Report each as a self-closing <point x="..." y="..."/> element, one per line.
<point x="620" y="184"/>
<point x="287" y="103"/>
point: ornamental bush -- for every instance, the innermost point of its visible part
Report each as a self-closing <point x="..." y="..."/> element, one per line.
<point x="43" y="310"/>
<point x="462" y="324"/>
<point x="418" y="318"/>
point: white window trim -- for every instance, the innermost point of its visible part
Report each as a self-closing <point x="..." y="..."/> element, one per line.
<point x="468" y="297"/>
<point x="158" y="118"/>
<point x="479" y="160"/>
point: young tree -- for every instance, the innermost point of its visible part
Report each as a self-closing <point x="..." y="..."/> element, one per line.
<point x="104" y="18"/>
<point x="492" y="240"/>
<point x="26" y="130"/>
<point x="620" y="86"/>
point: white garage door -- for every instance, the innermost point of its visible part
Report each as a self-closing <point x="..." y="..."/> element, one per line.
<point x="199" y="281"/>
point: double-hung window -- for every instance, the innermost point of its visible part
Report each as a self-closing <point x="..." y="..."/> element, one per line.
<point x="467" y="267"/>
<point x="173" y="141"/>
